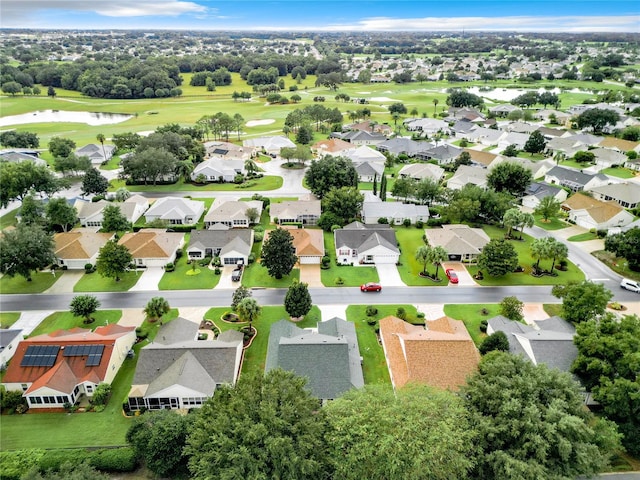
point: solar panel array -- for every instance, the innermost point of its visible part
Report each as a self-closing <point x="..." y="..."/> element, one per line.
<point x="93" y="353"/>
<point x="40" y="356"/>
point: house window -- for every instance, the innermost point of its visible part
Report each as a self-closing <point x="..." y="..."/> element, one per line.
<point x="89" y="388"/>
<point x="343" y="251"/>
<point x="24" y="387"/>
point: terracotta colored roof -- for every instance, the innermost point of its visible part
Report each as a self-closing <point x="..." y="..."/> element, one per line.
<point x="79" y="244"/>
<point x="152" y="243"/>
<point x="598" y="210"/>
<point x="332" y="145"/>
<point x="66" y="370"/>
<point x="307" y="242"/>
<point x="440" y="354"/>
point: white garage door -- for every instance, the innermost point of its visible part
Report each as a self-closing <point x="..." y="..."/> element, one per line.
<point x="310" y="259"/>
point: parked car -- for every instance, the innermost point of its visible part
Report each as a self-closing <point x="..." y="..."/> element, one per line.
<point x="630" y="285"/>
<point x="451" y="275"/>
<point x="236" y="275"/>
<point x="370" y="287"/>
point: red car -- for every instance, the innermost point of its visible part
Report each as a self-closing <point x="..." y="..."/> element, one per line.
<point x="451" y="275"/>
<point x="370" y="287"/>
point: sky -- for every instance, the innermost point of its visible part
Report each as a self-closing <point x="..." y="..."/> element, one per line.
<point x="329" y="15"/>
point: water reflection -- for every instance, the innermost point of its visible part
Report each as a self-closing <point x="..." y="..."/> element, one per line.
<point x="44" y="116"/>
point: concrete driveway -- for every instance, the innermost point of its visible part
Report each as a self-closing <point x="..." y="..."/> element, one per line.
<point x="310" y="274"/>
<point x="464" y="277"/>
<point x="225" y="278"/>
<point x="66" y="282"/>
<point x="389" y="275"/>
<point x="149" y="279"/>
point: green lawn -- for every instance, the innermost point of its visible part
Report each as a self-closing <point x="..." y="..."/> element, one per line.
<point x="410" y="239"/>
<point x="552" y="309"/>
<point x="8" y="219"/>
<point x="583" y="237"/>
<point x="8" y="318"/>
<point x="40" y="281"/>
<point x="374" y="365"/>
<point x="94" y="282"/>
<point x="67" y="321"/>
<point x="523" y="248"/>
<point x="619" y="172"/>
<point x="617" y="264"/>
<point x="268" y="182"/>
<point x="551" y="224"/>
<point x="574" y="164"/>
<point x="255" y="275"/>
<point x="182" y="279"/>
<point x="471" y="315"/>
<point x="351" y="276"/>
<point x="255" y="356"/>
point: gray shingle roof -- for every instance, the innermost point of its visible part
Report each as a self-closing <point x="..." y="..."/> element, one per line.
<point x="214" y="239"/>
<point x="358" y="236"/>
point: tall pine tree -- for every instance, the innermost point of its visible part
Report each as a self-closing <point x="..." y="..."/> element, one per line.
<point x="375" y="184"/>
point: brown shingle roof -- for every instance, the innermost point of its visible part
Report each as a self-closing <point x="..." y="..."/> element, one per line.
<point x="79" y="244"/>
<point x="440" y="354"/>
<point x="618" y="144"/>
<point x="307" y="241"/>
<point x="152" y="243"/>
<point x="598" y="210"/>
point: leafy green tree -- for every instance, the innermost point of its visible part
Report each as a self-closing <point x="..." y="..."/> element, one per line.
<point x="498" y="257"/>
<point x="84" y="306"/>
<point x="149" y="165"/>
<point x="509" y="177"/>
<point x="398" y="107"/>
<point x="101" y="394"/>
<point x="597" y="119"/>
<point x="113" y="260"/>
<point x="427" y="191"/>
<point x="536" y="143"/>
<point x="496" y="341"/>
<point x="184" y="169"/>
<point x="11" y="88"/>
<point x="156" y="308"/>
<point x="627" y="245"/>
<point x="248" y="310"/>
<point x="582" y="301"/>
<point x="404" y="187"/>
<point x="510" y="151"/>
<point x="25" y="249"/>
<point x="266" y="426"/>
<point x="19" y="179"/>
<point x="61" y="214"/>
<point x="461" y="98"/>
<point x="159" y="438"/>
<point x="51" y="92"/>
<point x="584" y="157"/>
<point x="297" y="301"/>
<point x="278" y="253"/>
<point x="126" y="141"/>
<point x="463" y="159"/>
<point x="304" y="135"/>
<point x="113" y="220"/>
<point x="239" y="294"/>
<point x="345" y="203"/>
<point x="418" y="432"/>
<point x="512" y="308"/>
<point x="16" y="139"/>
<point x="330" y="172"/>
<point x="548" y="208"/>
<point x="94" y="182"/>
<point x="531" y="422"/>
<point x="32" y="211"/>
<point x="61" y="147"/>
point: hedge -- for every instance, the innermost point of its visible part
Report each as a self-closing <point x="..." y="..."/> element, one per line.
<point x="114" y="460"/>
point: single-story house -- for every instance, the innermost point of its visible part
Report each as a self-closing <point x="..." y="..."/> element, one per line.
<point x="536" y="191"/>
<point x="575" y="180"/>
<point x="152" y="247"/>
<point x="9" y="340"/>
<point x="467" y="174"/>
<point x="232" y="213"/>
<point x="504" y="109"/>
<point x="270" y="145"/>
<point x="513" y="138"/>
<point x="98" y="154"/>
<point x="481" y="159"/>
<point x="442" y="154"/>
<point x="461" y="242"/>
<point x="402" y="146"/>
<point x="90" y="213"/>
<point x="551" y="343"/>
<point x="607" y="157"/>
<point x="361" y="138"/>
<point x="426" y="125"/>
<point x="441" y="353"/>
<point x="309" y="244"/>
<point x="226" y="150"/>
<point x="305" y="212"/>
<point x="625" y="194"/>
<point x="57" y="368"/>
<point x="619" y="144"/>
<point x="178" y="371"/>
<point x="521" y="127"/>
<point x="175" y="211"/>
<point x="484" y="136"/>
<point x="589" y="213"/>
<point x="395" y="212"/>
<point x="328" y="357"/>
<point x="365" y="154"/>
<point x="78" y="247"/>
<point x="358" y="244"/>
<point x="332" y="146"/>
<point x="218" y="170"/>
<point x="368" y="171"/>
<point x="419" y="171"/>
<point x="18" y="156"/>
<point x="233" y="246"/>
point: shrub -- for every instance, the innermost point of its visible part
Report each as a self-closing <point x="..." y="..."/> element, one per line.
<point x="371" y="321"/>
<point x="495" y="341"/>
<point x="178" y="253"/>
<point x="251" y="258"/>
<point x="383" y="221"/>
<point x="53" y="459"/>
<point x="419" y="224"/>
<point x="11" y="399"/>
<point x="114" y="460"/>
<point x="217" y="271"/>
<point x="88" y="268"/>
<point x="258" y="237"/>
<point x="339" y="281"/>
<point x="371" y="311"/>
<point x="483" y="326"/>
<point x="326" y="261"/>
<point x="406" y="222"/>
<point x="401" y="313"/>
<point x="484" y="311"/>
<point x="169" y="267"/>
<point x="420" y="315"/>
<point x="101" y="394"/>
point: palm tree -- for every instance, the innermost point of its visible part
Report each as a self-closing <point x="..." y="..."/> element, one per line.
<point x="510" y="219"/>
<point x="184" y="169"/>
<point x="100" y="137"/>
<point x="435" y="106"/>
<point x="423" y="255"/>
<point x="540" y="248"/>
<point x="156" y="307"/>
<point x="438" y="255"/>
<point x="250" y="166"/>
<point x="122" y="194"/>
<point x="248" y="310"/>
<point x="548" y="208"/>
<point x="238" y="120"/>
<point x="526" y="220"/>
<point x="558" y="251"/>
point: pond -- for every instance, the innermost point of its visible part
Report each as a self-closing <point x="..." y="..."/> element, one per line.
<point x="45" y="116"/>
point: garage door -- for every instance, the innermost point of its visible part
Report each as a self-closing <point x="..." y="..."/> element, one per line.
<point x="310" y="259"/>
<point x="233" y="260"/>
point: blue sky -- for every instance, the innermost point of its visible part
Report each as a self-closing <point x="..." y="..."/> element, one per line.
<point x="348" y="15"/>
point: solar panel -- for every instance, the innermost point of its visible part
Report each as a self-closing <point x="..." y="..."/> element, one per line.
<point x="94" y="360"/>
<point x="40" y="356"/>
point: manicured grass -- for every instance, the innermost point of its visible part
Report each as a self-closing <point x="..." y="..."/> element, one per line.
<point x="471" y="315"/>
<point x="94" y="282"/>
<point x="8" y="318"/>
<point x="40" y="281"/>
<point x="551" y="224"/>
<point x="268" y="182"/>
<point x="410" y="239"/>
<point x="619" y="172"/>
<point x="8" y="219"/>
<point x="180" y="280"/>
<point x="574" y="164"/>
<point x="351" y="276"/>
<point x="374" y="365"/>
<point x="255" y="275"/>
<point x="583" y="237"/>
<point x="552" y="309"/>
<point x="67" y="321"/>
<point x="112" y="164"/>
<point x="617" y="264"/>
<point x="526" y="260"/>
<point x="255" y="356"/>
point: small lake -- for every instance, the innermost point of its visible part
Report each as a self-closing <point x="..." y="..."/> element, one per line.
<point x="45" y="116"/>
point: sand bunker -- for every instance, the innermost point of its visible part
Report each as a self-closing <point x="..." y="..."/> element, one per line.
<point x="383" y="99"/>
<point x="256" y="123"/>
